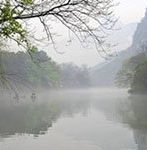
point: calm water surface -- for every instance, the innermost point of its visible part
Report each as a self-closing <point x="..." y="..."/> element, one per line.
<point x="93" y="119"/>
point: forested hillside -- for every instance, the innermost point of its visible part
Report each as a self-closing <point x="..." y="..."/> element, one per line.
<point x="38" y="70"/>
<point x="22" y="69"/>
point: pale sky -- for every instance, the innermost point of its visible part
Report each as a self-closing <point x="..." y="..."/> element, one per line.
<point x="131" y="10"/>
<point x="128" y="11"/>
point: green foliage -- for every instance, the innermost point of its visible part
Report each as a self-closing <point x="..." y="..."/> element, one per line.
<point x="27" y="2"/>
<point x="40" y="71"/>
<point x="139" y="84"/>
<point x="134" y="74"/>
<point x="36" y="71"/>
<point x="9" y="26"/>
<point x="124" y="77"/>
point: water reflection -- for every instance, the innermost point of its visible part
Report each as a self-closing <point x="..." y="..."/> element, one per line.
<point x="134" y="114"/>
<point x="36" y="118"/>
<point x="100" y="119"/>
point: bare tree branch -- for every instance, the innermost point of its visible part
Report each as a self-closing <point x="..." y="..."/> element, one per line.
<point x="87" y="19"/>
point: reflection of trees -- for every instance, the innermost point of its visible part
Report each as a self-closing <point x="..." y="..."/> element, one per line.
<point x="30" y="119"/>
<point x="134" y="114"/>
<point x="36" y="118"/>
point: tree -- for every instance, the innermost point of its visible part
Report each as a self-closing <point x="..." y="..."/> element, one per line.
<point x="73" y="76"/>
<point x="139" y="84"/>
<point x="19" y="71"/>
<point x="133" y="74"/>
<point x="87" y="19"/>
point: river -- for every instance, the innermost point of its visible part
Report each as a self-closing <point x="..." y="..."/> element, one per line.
<point x="91" y="119"/>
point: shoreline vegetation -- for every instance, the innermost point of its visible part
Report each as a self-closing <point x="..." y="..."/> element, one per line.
<point x="19" y="71"/>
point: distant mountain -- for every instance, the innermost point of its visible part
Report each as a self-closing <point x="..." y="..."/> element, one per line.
<point x="140" y="36"/>
<point x="105" y="75"/>
<point x="123" y="36"/>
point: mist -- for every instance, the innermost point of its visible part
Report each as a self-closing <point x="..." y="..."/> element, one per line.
<point x="73" y="75"/>
<point x="74" y="117"/>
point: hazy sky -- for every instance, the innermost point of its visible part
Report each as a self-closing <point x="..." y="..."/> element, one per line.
<point x="131" y="10"/>
<point x="128" y="11"/>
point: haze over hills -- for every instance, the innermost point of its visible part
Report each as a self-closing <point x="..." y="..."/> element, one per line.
<point x="140" y="36"/>
<point x="105" y="75"/>
<point x="74" y="51"/>
<point x="123" y="36"/>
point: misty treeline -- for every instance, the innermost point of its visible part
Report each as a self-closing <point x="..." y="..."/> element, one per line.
<point x="19" y="69"/>
<point x="133" y="74"/>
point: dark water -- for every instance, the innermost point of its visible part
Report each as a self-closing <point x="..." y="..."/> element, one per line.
<point x="94" y="119"/>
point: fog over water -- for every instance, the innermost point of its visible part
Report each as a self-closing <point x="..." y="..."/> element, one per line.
<point x="93" y="119"/>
